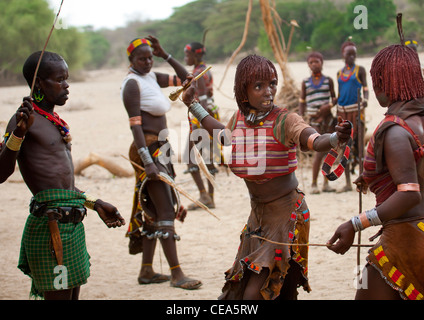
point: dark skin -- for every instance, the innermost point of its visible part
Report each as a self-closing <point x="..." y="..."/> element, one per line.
<point x="315" y="64"/>
<point x="44" y="147"/>
<point x="194" y="59"/>
<point x="261" y="94"/>
<point x="142" y="61"/>
<point x="349" y="56"/>
<point x="402" y="169"/>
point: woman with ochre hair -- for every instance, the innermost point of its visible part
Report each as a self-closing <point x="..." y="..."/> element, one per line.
<point x="264" y="139"/>
<point x="393" y="171"/>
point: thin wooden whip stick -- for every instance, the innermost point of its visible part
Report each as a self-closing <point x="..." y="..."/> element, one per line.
<point x="176" y="187"/>
<point x="361" y="167"/>
<point x="306" y="244"/>
<point x="42" y="53"/>
<point x="174" y="95"/>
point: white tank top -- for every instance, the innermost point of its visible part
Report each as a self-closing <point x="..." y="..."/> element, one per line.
<point x="152" y="100"/>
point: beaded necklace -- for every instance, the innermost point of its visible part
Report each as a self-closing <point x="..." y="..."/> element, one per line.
<point x="311" y="81"/>
<point x="54" y="118"/>
<point x="343" y="77"/>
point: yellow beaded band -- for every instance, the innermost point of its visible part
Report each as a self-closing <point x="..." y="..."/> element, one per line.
<point x="14" y="143"/>
<point x="89" y="201"/>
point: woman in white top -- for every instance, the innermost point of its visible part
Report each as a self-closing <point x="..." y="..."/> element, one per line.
<point x="154" y="201"/>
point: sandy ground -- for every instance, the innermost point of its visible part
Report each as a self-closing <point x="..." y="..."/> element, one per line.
<point x="99" y="124"/>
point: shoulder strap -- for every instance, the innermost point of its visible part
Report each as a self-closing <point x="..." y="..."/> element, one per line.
<point x="403" y="124"/>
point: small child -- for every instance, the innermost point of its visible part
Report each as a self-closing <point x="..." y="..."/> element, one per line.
<point x="317" y="97"/>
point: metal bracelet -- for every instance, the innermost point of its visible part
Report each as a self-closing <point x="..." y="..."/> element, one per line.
<point x="334" y="140"/>
<point x="14" y="143"/>
<point x="357" y="224"/>
<point x="145" y="155"/>
<point x="198" y="111"/>
<point x="373" y="217"/>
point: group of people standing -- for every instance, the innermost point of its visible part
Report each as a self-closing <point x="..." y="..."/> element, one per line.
<point x="264" y="139"/>
<point x="318" y="97"/>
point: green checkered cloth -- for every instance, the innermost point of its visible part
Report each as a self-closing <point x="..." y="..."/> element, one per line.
<point x="36" y="257"/>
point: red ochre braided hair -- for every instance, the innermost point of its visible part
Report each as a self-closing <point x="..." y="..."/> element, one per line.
<point x="249" y="70"/>
<point x="396" y="70"/>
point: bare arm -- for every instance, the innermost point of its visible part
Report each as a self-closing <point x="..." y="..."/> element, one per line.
<point x="158" y="51"/>
<point x="132" y="105"/>
<point x="8" y="157"/>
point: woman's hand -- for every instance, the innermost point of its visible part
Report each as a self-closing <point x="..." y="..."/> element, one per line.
<point x="343" y="129"/>
<point x="361" y="185"/>
<point x="157" y="49"/>
<point x="344" y="235"/>
<point x="152" y="172"/>
<point x="188" y="94"/>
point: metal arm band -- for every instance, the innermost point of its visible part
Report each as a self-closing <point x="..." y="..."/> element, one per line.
<point x="14" y="143"/>
<point x="408" y="187"/>
<point x="198" y="111"/>
<point x="145" y="155"/>
<point x="311" y="140"/>
<point x="334" y="140"/>
<point x="366" y="219"/>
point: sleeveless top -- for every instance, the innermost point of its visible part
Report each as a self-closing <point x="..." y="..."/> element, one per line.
<point x="381" y="183"/>
<point x="152" y="99"/>
<point x="257" y="154"/>
<point x="348" y="87"/>
<point x="316" y="95"/>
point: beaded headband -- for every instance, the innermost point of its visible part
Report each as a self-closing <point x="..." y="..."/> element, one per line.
<point x="408" y="42"/>
<point x="136" y="43"/>
<point x="200" y="50"/>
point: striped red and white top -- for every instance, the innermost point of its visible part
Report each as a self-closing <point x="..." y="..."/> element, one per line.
<point x="267" y="150"/>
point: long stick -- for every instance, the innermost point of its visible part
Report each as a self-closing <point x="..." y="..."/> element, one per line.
<point x="42" y="53"/>
<point x="361" y="155"/>
<point x="306" y="244"/>
<point x="174" y="95"/>
<point x="176" y="187"/>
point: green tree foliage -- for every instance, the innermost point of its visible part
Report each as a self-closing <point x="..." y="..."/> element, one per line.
<point x="25" y="26"/>
<point x="381" y="17"/>
<point x="98" y="47"/>
<point x="324" y="25"/>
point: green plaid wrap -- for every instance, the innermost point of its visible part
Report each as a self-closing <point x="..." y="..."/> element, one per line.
<point x="36" y="258"/>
